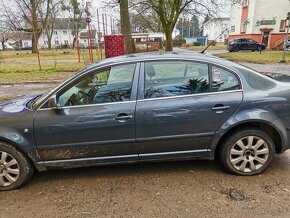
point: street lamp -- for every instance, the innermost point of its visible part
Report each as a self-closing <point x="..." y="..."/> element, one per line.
<point x="286" y="39"/>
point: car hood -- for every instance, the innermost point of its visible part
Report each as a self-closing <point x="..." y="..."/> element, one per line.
<point x="15" y="106"/>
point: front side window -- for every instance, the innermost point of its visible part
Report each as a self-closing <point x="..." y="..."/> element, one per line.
<point x="224" y="80"/>
<point x="175" y="78"/>
<point x="107" y="86"/>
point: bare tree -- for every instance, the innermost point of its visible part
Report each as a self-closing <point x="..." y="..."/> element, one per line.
<point x="27" y="15"/>
<point x="77" y="16"/>
<point x="47" y="25"/>
<point x="169" y="11"/>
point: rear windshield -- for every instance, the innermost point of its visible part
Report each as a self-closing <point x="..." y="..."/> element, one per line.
<point x="256" y="80"/>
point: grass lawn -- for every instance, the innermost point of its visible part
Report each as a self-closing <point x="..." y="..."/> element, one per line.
<point x="255" y="57"/>
<point x="63" y="54"/>
<point x="22" y="66"/>
<point x="216" y="47"/>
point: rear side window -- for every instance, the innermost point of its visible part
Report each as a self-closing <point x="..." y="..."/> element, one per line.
<point x="223" y="80"/>
<point x="175" y="78"/>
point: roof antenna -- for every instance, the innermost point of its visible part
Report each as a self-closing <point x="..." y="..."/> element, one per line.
<point x="210" y="44"/>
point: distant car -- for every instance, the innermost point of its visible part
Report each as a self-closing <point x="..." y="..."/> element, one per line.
<point x="26" y="48"/>
<point x="148" y="107"/>
<point x="245" y="44"/>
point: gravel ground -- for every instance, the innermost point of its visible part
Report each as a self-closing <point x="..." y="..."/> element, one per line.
<point x="171" y="189"/>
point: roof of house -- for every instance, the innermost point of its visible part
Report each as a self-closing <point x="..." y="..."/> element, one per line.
<point x="68" y="23"/>
<point x="84" y="35"/>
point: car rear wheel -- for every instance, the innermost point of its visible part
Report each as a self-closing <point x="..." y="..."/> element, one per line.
<point x="259" y="48"/>
<point x="15" y="168"/>
<point x="247" y="152"/>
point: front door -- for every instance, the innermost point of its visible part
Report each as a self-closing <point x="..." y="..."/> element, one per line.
<point x="181" y="106"/>
<point x="266" y="36"/>
<point x="95" y="118"/>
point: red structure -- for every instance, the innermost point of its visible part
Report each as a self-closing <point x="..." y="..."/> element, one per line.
<point x="114" y="45"/>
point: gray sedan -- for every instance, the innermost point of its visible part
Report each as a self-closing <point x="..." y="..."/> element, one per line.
<point x="148" y="107"/>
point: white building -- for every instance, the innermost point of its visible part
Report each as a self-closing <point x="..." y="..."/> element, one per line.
<point x="62" y="35"/>
<point x="214" y="28"/>
<point x="261" y="20"/>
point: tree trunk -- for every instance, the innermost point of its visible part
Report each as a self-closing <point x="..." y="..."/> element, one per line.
<point x="169" y="41"/>
<point x="126" y="27"/>
<point x="74" y="42"/>
<point x="49" y="44"/>
<point x="34" y="50"/>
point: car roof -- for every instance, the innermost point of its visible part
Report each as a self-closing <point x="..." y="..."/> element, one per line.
<point x="155" y="56"/>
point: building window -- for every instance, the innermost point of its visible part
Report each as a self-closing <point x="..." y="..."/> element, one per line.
<point x="55" y="32"/>
<point x="64" y="32"/>
<point x="245" y="3"/>
<point x="233" y="29"/>
<point x="56" y="42"/>
<point x="244" y="28"/>
<point x="283" y="24"/>
<point x="66" y="42"/>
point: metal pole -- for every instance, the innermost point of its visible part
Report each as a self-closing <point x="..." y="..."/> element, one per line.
<point x="99" y="34"/>
<point x="106" y="24"/>
<point x="111" y="26"/>
<point x="181" y="28"/>
<point x="89" y="34"/>
<point x="285" y="45"/>
<point x="78" y="47"/>
<point x="103" y="20"/>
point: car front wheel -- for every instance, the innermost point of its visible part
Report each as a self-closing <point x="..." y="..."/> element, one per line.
<point x="247" y="152"/>
<point x="15" y="168"/>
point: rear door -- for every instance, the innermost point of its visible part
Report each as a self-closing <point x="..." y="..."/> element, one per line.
<point x="180" y="106"/>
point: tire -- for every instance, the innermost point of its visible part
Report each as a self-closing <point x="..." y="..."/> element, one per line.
<point x="259" y="48"/>
<point x="19" y="171"/>
<point x="241" y="157"/>
<point x="236" y="49"/>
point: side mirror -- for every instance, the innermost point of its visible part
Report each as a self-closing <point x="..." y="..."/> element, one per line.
<point x="52" y="102"/>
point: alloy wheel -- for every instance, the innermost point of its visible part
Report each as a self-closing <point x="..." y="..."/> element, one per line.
<point x="9" y="169"/>
<point x="249" y="154"/>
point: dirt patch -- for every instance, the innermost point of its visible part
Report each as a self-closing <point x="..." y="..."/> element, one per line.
<point x="171" y="189"/>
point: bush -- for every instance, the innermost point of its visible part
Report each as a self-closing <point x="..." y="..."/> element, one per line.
<point x="196" y="44"/>
<point x="178" y="42"/>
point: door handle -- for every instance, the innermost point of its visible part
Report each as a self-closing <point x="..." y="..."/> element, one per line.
<point x="220" y="108"/>
<point x="123" y="117"/>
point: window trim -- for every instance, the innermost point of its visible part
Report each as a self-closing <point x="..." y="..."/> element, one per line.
<point x="133" y="96"/>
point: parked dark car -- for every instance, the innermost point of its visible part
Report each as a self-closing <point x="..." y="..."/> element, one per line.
<point x="148" y="107"/>
<point x="236" y="45"/>
<point x="26" y="48"/>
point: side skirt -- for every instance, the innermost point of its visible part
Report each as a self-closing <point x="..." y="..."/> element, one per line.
<point x="127" y="159"/>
